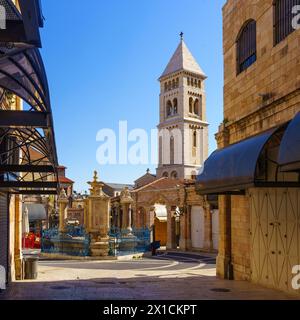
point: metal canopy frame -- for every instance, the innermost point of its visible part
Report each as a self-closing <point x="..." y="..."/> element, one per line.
<point x="289" y="152"/>
<point x="232" y="170"/>
<point x="28" y="158"/>
<point x="23" y="23"/>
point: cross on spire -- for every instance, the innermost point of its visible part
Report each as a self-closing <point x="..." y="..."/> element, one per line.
<point x="181" y="35"/>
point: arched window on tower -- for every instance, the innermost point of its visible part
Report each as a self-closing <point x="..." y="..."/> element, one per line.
<point x="194" y="149"/>
<point x="160" y="146"/>
<point x="174" y="175"/>
<point x="169" y="108"/>
<point x="175" y="106"/>
<point x="195" y="139"/>
<point x="173" y="84"/>
<point x="166" y="86"/>
<point x="165" y="175"/>
<point x="196" y="107"/>
<point x="246" y="46"/>
<point x="191" y="101"/>
<point x="172" y="150"/>
<point x="201" y="107"/>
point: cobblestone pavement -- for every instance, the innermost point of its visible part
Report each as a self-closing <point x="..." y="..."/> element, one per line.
<point x="170" y="276"/>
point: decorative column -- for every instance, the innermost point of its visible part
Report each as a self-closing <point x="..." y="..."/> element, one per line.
<point x="183" y="229"/>
<point x="171" y="230"/>
<point x="62" y="202"/>
<point x="128" y="242"/>
<point x="149" y="216"/>
<point x="118" y="216"/>
<point x="85" y="213"/>
<point x="114" y="216"/>
<point x="18" y="239"/>
<point x="188" y="227"/>
<point x="134" y="216"/>
<point x="126" y="202"/>
<point x="98" y="218"/>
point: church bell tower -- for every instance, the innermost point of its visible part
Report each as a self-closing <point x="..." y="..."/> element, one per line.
<point x="183" y="129"/>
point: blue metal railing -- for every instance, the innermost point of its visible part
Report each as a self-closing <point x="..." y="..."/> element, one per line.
<point x="74" y="241"/>
<point x="123" y="243"/>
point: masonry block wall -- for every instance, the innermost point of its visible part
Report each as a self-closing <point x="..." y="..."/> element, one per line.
<point x="265" y="95"/>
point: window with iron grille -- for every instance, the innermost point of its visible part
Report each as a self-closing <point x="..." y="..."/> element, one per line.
<point x="246" y="46"/>
<point x="283" y="17"/>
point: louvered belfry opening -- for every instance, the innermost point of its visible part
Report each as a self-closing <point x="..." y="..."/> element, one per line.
<point x="246" y="46"/>
<point x="283" y="18"/>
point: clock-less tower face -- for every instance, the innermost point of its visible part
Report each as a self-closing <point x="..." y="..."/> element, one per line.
<point x="183" y="129"/>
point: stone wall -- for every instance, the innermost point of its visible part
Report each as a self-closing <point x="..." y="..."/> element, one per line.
<point x="265" y="95"/>
<point x="240" y="224"/>
<point x="276" y="71"/>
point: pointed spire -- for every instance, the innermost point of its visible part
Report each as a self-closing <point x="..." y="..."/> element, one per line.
<point x="182" y="59"/>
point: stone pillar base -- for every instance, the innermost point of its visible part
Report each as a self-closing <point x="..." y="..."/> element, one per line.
<point x="128" y="243"/>
<point x="19" y="275"/>
<point x="208" y="246"/>
<point x="171" y="246"/>
<point x="188" y="244"/>
<point x="99" y="248"/>
<point x="183" y="244"/>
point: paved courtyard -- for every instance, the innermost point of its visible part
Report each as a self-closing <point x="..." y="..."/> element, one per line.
<point x="168" y="276"/>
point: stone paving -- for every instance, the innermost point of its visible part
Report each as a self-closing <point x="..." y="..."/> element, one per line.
<point x="172" y="276"/>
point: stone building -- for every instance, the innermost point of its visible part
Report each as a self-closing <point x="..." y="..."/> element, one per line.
<point x="64" y="181"/>
<point x="167" y="202"/>
<point x="183" y="130"/>
<point x="255" y="170"/>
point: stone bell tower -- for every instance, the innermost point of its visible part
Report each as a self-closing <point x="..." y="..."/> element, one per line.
<point x="183" y="129"/>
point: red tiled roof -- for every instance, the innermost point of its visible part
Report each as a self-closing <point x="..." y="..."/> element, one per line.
<point x="65" y="180"/>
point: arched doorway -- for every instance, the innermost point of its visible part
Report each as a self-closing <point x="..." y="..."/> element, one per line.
<point x="160" y="224"/>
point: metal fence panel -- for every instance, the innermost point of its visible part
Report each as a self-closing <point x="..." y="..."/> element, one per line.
<point x="74" y="242"/>
<point x="122" y="243"/>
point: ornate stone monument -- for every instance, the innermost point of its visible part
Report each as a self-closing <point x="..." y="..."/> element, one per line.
<point x="97" y="218"/>
<point x="129" y="241"/>
<point x="63" y="203"/>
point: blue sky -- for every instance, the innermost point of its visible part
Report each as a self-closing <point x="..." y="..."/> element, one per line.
<point x="103" y="59"/>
